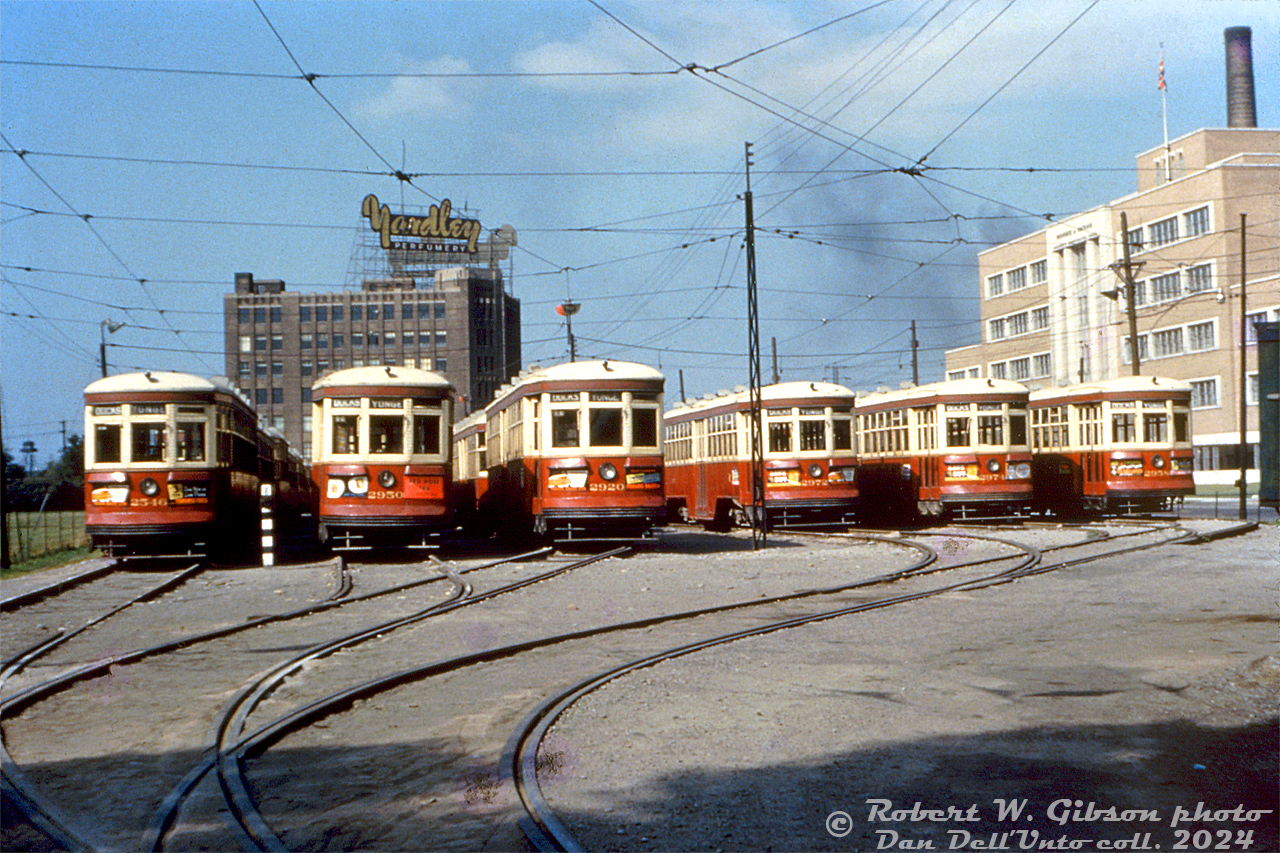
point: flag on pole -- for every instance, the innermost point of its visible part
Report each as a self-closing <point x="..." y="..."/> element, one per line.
<point x="1161" y="86"/>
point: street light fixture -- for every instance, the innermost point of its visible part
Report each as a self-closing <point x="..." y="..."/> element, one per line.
<point x="106" y="326"/>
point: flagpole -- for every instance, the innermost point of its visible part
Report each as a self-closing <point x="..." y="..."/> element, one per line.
<point x="1164" y="108"/>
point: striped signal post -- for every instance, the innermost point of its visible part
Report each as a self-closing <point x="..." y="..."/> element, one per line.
<point x="267" y="500"/>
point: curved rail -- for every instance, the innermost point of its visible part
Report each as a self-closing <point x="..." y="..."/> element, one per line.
<point x="231" y="756"/>
<point x="544" y="829"/>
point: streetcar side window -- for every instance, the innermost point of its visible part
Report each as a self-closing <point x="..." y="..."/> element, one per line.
<point x="1017" y="429"/>
<point x="191" y="437"/>
<point x="386" y="434"/>
<point x="148" y="442"/>
<point x="1180" y="426"/>
<point x="813" y="435"/>
<point x="564" y="427"/>
<point x="990" y="430"/>
<point x="346" y="433"/>
<point x="780" y="437"/>
<point x="841" y="435"/>
<point x="644" y="427"/>
<point x="1155" y="428"/>
<point x="426" y="435"/>
<point x="957" y="432"/>
<point x="1122" y="428"/>
<point x="605" y="427"/>
<point x="106" y="443"/>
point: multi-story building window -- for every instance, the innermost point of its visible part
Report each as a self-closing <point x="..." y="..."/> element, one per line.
<point x="1166" y="287"/>
<point x="338" y="340"/>
<point x="1200" y="278"/>
<point x="1201" y="336"/>
<point x="1163" y="232"/>
<point x="1000" y="370"/>
<point x="389" y="338"/>
<point x="1134" y="239"/>
<point x="1143" y="353"/>
<point x="1017" y="278"/>
<point x="246" y="343"/>
<point x="441" y="338"/>
<point x="1197" y="221"/>
<point x="1020" y="368"/>
<point x="322" y="316"/>
<point x="277" y="395"/>
<point x="304" y="368"/>
<point x="307" y="341"/>
<point x="277" y="368"/>
<point x="1040" y="318"/>
<point x="276" y="315"/>
<point x="1167" y="342"/>
<point x="322" y="341"/>
<point x="1018" y="324"/>
<point x="277" y="341"/>
<point x="1042" y="364"/>
<point x="1039" y="272"/>
<point x="260" y="397"/>
<point x="304" y="313"/>
<point x="357" y="339"/>
<point x="995" y="284"/>
<point x="995" y="329"/>
<point x="259" y="342"/>
<point x="1204" y="393"/>
<point x="260" y="369"/>
<point x="259" y="315"/>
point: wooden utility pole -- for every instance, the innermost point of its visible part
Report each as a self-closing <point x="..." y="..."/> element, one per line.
<point x="1129" y="297"/>
<point x="1244" y="377"/>
<point x="776" y="377"/>
<point x="915" y="357"/>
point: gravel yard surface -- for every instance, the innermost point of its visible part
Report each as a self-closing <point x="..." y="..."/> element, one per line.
<point x="1144" y="682"/>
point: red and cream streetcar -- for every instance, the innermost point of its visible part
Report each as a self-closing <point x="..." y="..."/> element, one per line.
<point x="809" y="459"/>
<point x="949" y="448"/>
<point x="574" y="451"/>
<point x="172" y="465"/>
<point x="470" y="472"/>
<point x="1117" y="445"/>
<point x="381" y="455"/>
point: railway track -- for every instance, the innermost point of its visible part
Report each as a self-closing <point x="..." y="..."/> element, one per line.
<point x="315" y="686"/>
<point x="501" y="668"/>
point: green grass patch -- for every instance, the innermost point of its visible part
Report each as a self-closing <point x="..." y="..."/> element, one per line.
<point x="51" y="561"/>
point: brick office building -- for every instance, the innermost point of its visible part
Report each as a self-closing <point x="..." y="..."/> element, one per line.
<point x="460" y="323"/>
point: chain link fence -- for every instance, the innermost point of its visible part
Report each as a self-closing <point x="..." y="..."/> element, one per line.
<point x="34" y="534"/>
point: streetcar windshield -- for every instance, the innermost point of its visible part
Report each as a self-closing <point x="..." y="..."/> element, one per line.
<point x="148" y="442"/>
<point x="606" y="427"/>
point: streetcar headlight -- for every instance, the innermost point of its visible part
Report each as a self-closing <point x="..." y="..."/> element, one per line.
<point x="387" y="480"/>
<point x="1019" y="471"/>
<point x="608" y="471"/>
<point x="1157" y="461"/>
<point x="815" y="471"/>
<point x="149" y="487"/>
<point x="993" y="465"/>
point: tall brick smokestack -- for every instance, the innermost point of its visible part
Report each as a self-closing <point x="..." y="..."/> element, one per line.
<point x="1240" y="104"/>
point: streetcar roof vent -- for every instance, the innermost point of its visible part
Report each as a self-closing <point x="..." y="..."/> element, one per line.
<point x="904" y="385"/>
<point x="738" y="389"/>
<point x="881" y="389"/>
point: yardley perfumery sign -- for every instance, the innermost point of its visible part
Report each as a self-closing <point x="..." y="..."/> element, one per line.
<point x="435" y="231"/>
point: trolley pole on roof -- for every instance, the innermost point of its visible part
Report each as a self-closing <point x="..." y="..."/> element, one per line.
<point x="759" y="534"/>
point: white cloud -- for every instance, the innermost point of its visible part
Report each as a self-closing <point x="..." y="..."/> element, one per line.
<point x="426" y="96"/>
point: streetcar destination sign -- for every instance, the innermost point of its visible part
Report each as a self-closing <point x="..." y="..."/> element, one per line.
<point x="423" y="233"/>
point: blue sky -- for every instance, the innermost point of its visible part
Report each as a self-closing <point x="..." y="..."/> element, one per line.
<point x="187" y="136"/>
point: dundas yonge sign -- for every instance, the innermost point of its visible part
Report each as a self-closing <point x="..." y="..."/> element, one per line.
<point x="435" y="231"/>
